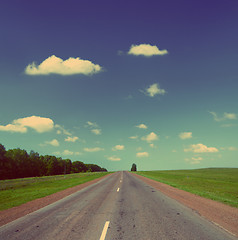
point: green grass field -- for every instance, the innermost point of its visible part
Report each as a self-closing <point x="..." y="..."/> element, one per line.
<point x="18" y="191"/>
<point x="219" y="184"/>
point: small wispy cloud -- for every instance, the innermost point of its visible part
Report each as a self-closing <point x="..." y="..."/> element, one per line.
<point x="54" y="143"/>
<point x="96" y="131"/>
<point x="62" y="130"/>
<point x="94" y="128"/>
<point x="66" y="152"/>
<point x="185" y="135"/>
<point x="142" y="154"/>
<point x="56" y="65"/>
<point x="142" y="126"/>
<point x="150" y="137"/>
<point x="154" y="90"/>
<point x="194" y="160"/>
<point x="114" y="158"/>
<point x="118" y="148"/>
<point x="95" y="149"/>
<point x="146" y="50"/>
<point x="226" y="116"/>
<point x="134" y="137"/>
<point x="71" y="139"/>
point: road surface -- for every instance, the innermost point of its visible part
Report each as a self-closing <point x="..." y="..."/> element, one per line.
<point x="120" y="206"/>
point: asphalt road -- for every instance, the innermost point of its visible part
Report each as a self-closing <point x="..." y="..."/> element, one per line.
<point x="118" y="207"/>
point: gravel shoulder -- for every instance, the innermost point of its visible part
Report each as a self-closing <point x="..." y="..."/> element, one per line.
<point x="220" y="214"/>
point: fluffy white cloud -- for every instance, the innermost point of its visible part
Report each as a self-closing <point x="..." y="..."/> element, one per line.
<point x="194" y="160"/>
<point x="185" y="135"/>
<point x="146" y="50"/>
<point x="150" y="137"/>
<point x="118" y="147"/>
<point x="200" y="148"/>
<point x="142" y="154"/>
<point x="71" y="139"/>
<point x="226" y="116"/>
<point x="39" y="124"/>
<point x="154" y="89"/>
<point x="96" y="149"/>
<point x="142" y="126"/>
<point x="96" y="131"/>
<point x="54" y="142"/>
<point x="56" y="65"/>
<point x="114" y="158"/>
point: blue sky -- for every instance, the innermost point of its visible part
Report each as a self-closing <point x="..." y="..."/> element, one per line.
<point x="119" y="82"/>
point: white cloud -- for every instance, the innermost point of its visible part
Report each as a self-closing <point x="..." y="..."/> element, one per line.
<point x="114" y="158"/>
<point x="118" y="147"/>
<point x="68" y="152"/>
<point x="142" y="154"/>
<point x="54" y="142"/>
<point x="150" y="137"/>
<point x="96" y="131"/>
<point x="91" y="124"/>
<point x="194" y="160"/>
<point x="226" y="116"/>
<point x="94" y="128"/>
<point x="146" y="50"/>
<point x="61" y="130"/>
<point x="200" y="148"/>
<point x="230" y="116"/>
<point x="71" y="139"/>
<point x="133" y="137"/>
<point x="154" y="89"/>
<point x="152" y="145"/>
<point x="13" y="128"/>
<point x="96" y="149"/>
<point x="39" y="124"/>
<point x="142" y="126"/>
<point x="185" y="135"/>
<point x="232" y="148"/>
<point x="56" y="65"/>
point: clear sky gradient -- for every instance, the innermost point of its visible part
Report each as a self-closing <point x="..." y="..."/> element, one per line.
<point x="119" y="82"/>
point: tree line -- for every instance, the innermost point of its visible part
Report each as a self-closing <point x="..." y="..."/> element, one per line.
<point x="17" y="163"/>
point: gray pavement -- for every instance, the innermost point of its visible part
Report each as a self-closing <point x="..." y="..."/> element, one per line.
<point x="120" y="206"/>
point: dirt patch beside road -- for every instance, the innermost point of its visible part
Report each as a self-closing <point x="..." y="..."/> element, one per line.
<point x="219" y="213"/>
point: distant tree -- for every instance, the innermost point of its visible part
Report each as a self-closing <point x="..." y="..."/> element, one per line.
<point x="17" y="163"/>
<point x="133" y="168"/>
<point x="78" y="166"/>
<point x="21" y="163"/>
<point x="5" y="164"/>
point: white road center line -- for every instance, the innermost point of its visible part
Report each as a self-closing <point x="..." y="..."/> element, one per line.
<point x="118" y="189"/>
<point x="104" y="232"/>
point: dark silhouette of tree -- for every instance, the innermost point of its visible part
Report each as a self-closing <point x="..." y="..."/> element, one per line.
<point x="133" y="168"/>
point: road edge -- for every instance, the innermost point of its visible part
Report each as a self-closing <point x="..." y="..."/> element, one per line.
<point x="220" y="214"/>
<point x="14" y="213"/>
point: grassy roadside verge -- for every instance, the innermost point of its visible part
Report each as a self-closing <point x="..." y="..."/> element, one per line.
<point x="18" y="191"/>
<point x="219" y="184"/>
